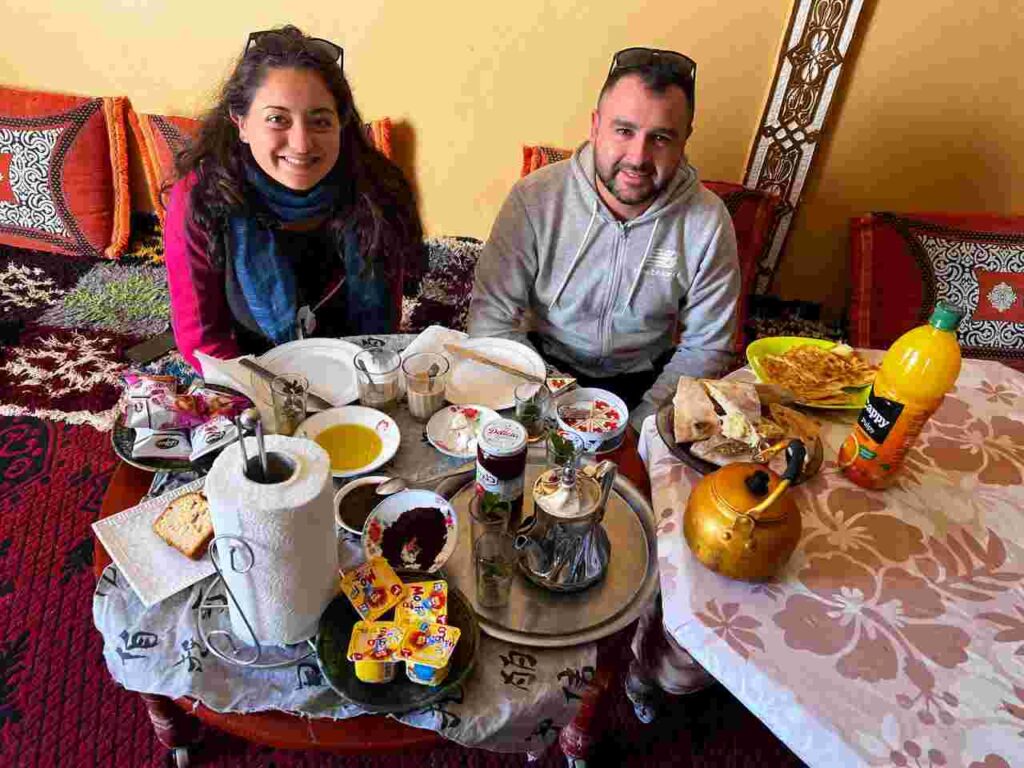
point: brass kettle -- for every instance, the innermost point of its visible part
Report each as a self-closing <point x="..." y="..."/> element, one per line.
<point x="739" y="520"/>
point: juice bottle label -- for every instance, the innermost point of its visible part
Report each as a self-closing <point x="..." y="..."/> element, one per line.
<point x="879" y="442"/>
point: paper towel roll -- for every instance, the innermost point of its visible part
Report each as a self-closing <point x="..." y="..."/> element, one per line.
<point x="290" y="527"/>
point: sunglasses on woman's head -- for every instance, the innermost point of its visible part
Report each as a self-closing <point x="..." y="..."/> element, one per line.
<point x="329" y="49"/>
<point x="683" y="67"/>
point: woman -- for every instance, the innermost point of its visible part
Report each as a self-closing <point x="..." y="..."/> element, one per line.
<point x="285" y="221"/>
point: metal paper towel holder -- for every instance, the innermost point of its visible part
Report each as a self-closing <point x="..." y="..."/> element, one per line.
<point x="240" y="559"/>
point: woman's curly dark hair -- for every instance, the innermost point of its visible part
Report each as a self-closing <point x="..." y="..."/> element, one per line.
<point x="375" y="196"/>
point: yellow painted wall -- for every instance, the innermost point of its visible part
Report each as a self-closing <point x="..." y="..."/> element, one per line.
<point x="932" y="119"/>
<point x="471" y="79"/>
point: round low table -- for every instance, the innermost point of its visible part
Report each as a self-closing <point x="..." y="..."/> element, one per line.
<point x="176" y="721"/>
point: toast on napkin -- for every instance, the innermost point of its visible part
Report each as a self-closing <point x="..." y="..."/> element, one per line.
<point x="186" y="524"/>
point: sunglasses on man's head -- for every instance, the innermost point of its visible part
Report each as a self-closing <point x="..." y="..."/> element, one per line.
<point x="329" y="49"/>
<point x="681" y="66"/>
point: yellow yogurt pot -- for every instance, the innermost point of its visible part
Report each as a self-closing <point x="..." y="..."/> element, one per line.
<point x="373" y="648"/>
<point x="375" y="671"/>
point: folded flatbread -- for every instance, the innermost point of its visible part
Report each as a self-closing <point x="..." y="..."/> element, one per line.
<point x="694" y="416"/>
<point x="721" y="450"/>
<point x="795" y="424"/>
<point x="736" y="397"/>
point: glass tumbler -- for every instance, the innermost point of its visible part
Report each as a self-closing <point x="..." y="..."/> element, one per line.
<point x="288" y="393"/>
<point x="494" y="559"/>
<point x="426" y="375"/>
<point x="531" y="409"/>
<point x="377" y="374"/>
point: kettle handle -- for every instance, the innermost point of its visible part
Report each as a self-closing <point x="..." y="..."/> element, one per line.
<point x="795" y="454"/>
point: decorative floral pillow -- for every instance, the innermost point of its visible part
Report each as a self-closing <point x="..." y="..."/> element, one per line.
<point x="445" y="290"/>
<point x="63" y="173"/>
<point x="903" y="265"/>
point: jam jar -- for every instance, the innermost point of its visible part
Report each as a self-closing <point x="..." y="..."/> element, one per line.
<point x="500" y="474"/>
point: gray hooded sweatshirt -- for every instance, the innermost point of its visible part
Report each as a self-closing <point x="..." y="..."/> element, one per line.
<point x="607" y="296"/>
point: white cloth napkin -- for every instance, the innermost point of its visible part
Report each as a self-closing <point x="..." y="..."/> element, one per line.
<point x="433" y="340"/>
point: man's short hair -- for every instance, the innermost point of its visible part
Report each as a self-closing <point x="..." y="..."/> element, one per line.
<point x="657" y="75"/>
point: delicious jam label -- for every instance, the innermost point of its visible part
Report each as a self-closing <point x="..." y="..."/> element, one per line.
<point x="878" y="417"/>
<point x="502" y="437"/>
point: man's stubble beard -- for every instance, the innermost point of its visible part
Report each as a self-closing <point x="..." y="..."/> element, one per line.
<point x="609" y="183"/>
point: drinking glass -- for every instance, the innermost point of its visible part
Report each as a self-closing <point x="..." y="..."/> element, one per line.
<point x="564" y="449"/>
<point x="531" y="409"/>
<point x="494" y="558"/>
<point x="426" y="375"/>
<point x="377" y="372"/>
<point x="288" y="393"/>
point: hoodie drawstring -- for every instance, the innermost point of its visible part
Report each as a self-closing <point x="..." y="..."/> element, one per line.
<point x="643" y="261"/>
<point x="575" y="259"/>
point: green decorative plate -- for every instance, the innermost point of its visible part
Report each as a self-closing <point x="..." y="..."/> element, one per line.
<point x="400" y="695"/>
<point x="779" y="345"/>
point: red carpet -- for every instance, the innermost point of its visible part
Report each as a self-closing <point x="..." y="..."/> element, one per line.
<point x="59" y="707"/>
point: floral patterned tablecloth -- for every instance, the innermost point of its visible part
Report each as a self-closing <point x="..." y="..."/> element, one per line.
<point x="895" y="634"/>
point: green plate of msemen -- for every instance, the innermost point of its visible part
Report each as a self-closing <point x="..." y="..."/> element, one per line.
<point x="758" y="350"/>
<point x="401" y="694"/>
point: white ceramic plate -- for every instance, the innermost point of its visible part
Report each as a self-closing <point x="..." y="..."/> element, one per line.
<point x="381" y="423"/>
<point x="472" y="382"/>
<point x="385" y="514"/>
<point x="153" y="568"/>
<point x="327" y="363"/>
<point x="438" y="427"/>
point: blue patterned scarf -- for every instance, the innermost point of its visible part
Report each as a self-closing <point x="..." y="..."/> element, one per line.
<point x="267" y="276"/>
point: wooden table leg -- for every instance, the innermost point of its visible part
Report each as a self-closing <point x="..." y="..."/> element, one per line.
<point x="175" y="728"/>
<point x="578" y="737"/>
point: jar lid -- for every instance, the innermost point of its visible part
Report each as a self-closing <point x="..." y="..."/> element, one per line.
<point x="502" y="437"/>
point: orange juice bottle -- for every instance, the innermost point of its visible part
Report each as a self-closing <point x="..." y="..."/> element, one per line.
<point x="916" y="373"/>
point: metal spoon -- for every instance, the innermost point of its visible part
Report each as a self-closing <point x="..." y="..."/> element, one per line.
<point x="369" y="379"/>
<point x="251" y="421"/>
<point x="388" y="487"/>
<point x="241" y="445"/>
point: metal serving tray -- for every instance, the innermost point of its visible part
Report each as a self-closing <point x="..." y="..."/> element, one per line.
<point x="538" y="617"/>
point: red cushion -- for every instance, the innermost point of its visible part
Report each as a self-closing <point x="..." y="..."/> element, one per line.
<point x="903" y="263"/>
<point x="64" y="162"/>
<point x="753" y="215"/>
<point x="160" y="138"/>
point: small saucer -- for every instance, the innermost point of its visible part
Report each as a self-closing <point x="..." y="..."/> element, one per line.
<point x="439" y="431"/>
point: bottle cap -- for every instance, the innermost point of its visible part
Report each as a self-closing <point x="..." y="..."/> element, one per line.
<point x="502" y="437"/>
<point x="946" y="316"/>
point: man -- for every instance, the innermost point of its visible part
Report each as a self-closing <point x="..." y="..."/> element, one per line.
<point x="609" y="253"/>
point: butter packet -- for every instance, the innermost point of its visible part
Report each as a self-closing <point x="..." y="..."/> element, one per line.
<point x="430" y="644"/>
<point x="373" y="588"/>
<point x="424" y="601"/>
<point x="375" y="641"/>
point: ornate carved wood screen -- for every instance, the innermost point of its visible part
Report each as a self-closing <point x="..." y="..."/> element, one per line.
<point x="806" y="77"/>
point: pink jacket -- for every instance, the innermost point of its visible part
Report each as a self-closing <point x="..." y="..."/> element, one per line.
<point x="200" y="315"/>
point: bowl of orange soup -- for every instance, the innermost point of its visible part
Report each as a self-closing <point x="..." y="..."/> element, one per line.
<point x="357" y="439"/>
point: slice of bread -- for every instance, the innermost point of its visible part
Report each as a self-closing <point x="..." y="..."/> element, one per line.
<point x="186" y="524"/>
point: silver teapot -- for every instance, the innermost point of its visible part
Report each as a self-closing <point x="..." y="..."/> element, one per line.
<point x="564" y="546"/>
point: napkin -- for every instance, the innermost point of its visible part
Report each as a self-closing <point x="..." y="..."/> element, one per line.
<point x="433" y="340"/>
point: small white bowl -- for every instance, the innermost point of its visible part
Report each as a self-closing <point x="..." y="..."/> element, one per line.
<point x="345" y="490"/>
<point x="392" y="508"/>
<point x="594" y="441"/>
<point x="385" y="427"/>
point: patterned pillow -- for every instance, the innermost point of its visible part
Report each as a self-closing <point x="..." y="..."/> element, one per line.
<point x="161" y="137"/>
<point x="538" y="157"/>
<point x="63" y="173"/>
<point x="903" y="265"/>
<point x="445" y="290"/>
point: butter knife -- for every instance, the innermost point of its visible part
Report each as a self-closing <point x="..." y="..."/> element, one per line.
<point x="269" y="376"/>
